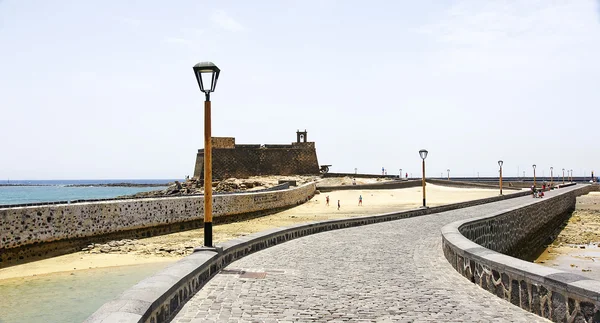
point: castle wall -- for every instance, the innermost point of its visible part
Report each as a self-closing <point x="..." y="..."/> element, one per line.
<point x="244" y="161"/>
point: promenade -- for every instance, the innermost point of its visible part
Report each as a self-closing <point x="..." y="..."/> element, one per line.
<point x="388" y="272"/>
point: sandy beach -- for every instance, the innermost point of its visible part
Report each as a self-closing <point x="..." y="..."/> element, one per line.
<point x="171" y="247"/>
<point x="577" y="247"/>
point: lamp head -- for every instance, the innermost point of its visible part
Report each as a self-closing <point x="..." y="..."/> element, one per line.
<point x="423" y="153"/>
<point x="534" y="166"/>
<point x="207" y="74"/>
<point x="500" y="163"/>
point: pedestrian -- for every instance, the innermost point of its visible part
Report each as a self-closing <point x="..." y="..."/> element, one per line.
<point x="360" y="200"/>
<point x="338" y="204"/>
<point x="354" y="181"/>
<point x="406" y="175"/>
<point x="382" y="170"/>
<point x="327" y="200"/>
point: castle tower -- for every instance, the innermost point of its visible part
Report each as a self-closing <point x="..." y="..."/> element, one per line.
<point x="301" y="136"/>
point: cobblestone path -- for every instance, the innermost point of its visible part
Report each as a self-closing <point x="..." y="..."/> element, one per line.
<point x="387" y="272"/>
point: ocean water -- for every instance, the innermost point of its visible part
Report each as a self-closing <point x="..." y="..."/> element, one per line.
<point x="56" y="190"/>
<point x="68" y="297"/>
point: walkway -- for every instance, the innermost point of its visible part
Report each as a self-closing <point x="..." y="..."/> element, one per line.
<point x="388" y="272"/>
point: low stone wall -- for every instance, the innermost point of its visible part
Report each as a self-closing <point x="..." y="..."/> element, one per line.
<point x="27" y="228"/>
<point x="157" y="299"/>
<point x="375" y="186"/>
<point x="480" y="250"/>
<point x="453" y="183"/>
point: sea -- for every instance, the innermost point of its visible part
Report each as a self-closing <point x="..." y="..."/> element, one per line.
<point x="38" y="191"/>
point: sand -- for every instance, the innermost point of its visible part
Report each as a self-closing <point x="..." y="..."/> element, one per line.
<point x="172" y="247"/>
<point x="577" y="246"/>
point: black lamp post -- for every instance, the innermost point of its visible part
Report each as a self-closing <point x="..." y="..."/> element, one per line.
<point x="207" y="74"/>
<point x="534" y="175"/>
<point x="500" y="163"/>
<point x="551" y="176"/>
<point x="423" y="153"/>
<point x="448" y="170"/>
<point x="563" y="176"/>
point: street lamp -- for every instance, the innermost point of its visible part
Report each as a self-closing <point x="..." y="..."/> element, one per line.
<point x="571" y="177"/>
<point x="207" y="74"/>
<point x="563" y="176"/>
<point x="423" y="154"/>
<point x="534" y="175"/>
<point x="448" y="170"/>
<point x="400" y="173"/>
<point x="551" y="176"/>
<point x="355" y="170"/>
<point x="500" y="163"/>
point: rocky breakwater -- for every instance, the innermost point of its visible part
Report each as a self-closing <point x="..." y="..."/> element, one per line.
<point x="194" y="186"/>
<point x="137" y="247"/>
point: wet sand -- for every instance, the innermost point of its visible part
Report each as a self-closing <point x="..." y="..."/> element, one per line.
<point x="577" y="248"/>
<point x="171" y="247"/>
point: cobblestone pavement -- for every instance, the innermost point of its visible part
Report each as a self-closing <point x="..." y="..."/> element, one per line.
<point x="387" y="272"/>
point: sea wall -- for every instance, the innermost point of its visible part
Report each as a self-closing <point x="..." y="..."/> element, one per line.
<point x="480" y="249"/>
<point x="26" y="228"/>
<point x="157" y="299"/>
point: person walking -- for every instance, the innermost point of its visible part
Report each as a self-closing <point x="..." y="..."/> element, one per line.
<point x="338" y="204"/>
<point x="360" y="200"/>
<point x="327" y="200"/>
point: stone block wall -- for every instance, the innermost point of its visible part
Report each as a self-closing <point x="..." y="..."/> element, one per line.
<point x="480" y="249"/>
<point x="243" y="161"/>
<point x="30" y="226"/>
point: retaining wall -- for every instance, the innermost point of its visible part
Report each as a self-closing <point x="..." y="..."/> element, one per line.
<point x="27" y="228"/>
<point x="374" y="186"/>
<point x="157" y="299"/>
<point x="480" y="249"/>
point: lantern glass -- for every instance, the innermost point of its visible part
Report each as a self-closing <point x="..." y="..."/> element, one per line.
<point x="500" y="163"/>
<point x="207" y="75"/>
<point x="423" y="153"/>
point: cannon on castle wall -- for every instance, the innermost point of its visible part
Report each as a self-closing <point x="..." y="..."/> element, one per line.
<point x="324" y="169"/>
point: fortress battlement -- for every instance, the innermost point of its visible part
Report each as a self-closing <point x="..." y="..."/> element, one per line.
<point x="245" y="160"/>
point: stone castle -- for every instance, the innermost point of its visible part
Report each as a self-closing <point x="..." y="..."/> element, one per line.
<point x="243" y="161"/>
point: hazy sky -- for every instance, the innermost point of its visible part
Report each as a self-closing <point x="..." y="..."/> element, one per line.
<point x="105" y="89"/>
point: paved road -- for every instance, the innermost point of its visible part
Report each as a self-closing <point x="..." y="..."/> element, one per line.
<point x="388" y="272"/>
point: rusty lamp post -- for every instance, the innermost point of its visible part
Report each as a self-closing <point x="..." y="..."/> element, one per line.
<point x="207" y="74"/>
<point x="423" y="153"/>
<point x="500" y="163"/>
<point x="534" y="175"/>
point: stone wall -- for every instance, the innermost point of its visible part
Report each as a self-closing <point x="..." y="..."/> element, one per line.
<point x="389" y="185"/>
<point x="22" y="227"/>
<point x="157" y="298"/>
<point x="480" y="250"/>
<point x="243" y="161"/>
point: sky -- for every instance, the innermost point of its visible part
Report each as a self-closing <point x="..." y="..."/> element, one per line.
<point x="105" y="89"/>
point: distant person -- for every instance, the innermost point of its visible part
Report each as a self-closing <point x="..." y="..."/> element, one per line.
<point x="382" y="171"/>
<point x="327" y="200"/>
<point x="386" y="172"/>
<point x="354" y="181"/>
<point x="360" y="200"/>
<point x="338" y="204"/>
<point x="406" y="175"/>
